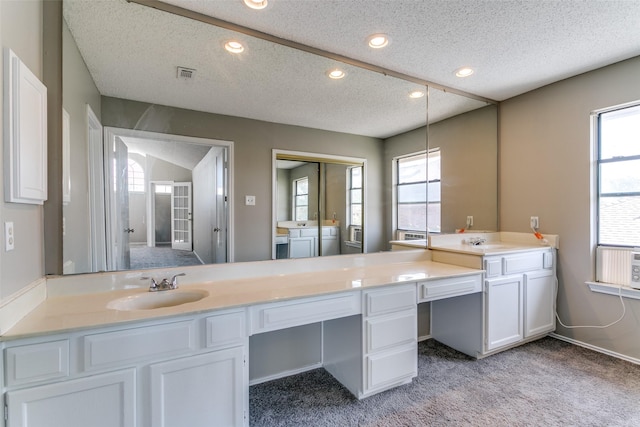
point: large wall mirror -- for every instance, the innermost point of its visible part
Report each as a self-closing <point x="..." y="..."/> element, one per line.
<point x="143" y="69"/>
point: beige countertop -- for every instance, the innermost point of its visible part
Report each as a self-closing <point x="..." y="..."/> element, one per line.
<point x="494" y="243"/>
<point x="63" y="313"/>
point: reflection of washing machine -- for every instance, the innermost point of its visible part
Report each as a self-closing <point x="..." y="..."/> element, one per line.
<point x="635" y="270"/>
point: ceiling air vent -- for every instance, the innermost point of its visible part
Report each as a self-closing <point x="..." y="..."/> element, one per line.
<point x="186" y="73"/>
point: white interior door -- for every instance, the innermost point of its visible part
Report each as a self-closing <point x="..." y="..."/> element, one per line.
<point x="181" y="216"/>
<point x="96" y="193"/>
<point x="121" y="206"/>
<point x="220" y="229"/>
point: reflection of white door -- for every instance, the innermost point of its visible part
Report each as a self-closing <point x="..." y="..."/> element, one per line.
<point x="181" y="216"/>
<point x="121" y="206"/>
<point x="220" y="217"/>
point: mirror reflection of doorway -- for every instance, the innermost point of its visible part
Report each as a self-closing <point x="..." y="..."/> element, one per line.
<point x="318" y="205"/>
<point x="164" y="193"/>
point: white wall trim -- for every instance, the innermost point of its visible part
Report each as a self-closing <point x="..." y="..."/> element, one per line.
<point x="596" y="348"/>
<point x="18" y="305"/>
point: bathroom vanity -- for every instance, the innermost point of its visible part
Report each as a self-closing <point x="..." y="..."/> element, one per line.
<point x="113" y="354"/>
<point x="517" y="304"/>
<point x="306" y="239"/>
<point x="75" y="361"/>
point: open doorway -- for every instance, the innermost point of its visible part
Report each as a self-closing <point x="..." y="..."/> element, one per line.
<point x="165" y="191"/>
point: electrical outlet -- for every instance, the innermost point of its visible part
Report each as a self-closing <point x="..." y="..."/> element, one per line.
<point x="9" y="238"/>
<point x="250" y="200"/>
<point x="535" y="224"/>
<point x="469" y="221"/>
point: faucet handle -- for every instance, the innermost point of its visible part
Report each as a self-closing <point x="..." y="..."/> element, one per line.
<point x="174" y="280"/>
<point x="154" y="285"/>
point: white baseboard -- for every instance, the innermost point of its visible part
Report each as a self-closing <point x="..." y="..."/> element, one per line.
<point x="424" y="337"/>
<point x="596" y="348"/>
<point x="285" y="374"/>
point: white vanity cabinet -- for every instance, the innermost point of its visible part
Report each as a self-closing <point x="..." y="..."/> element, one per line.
<point x="187" y="371"/>
<point x="390" y="338"/>
<point x="517" y="303"/>
<point x="519" y="297"/>
<point x="303" y="242"/>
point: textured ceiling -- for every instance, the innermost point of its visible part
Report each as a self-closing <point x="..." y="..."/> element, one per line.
<point x="132" y="52"/>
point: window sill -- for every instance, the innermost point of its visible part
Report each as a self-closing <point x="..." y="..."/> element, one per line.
<point x="617" y="290"/>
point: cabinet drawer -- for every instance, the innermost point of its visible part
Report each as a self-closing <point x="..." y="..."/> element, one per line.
<point x="389" y="331"/>
<point x="493" y="266"/>
<point x="225" y="328"/>
<point x="389" y="300"/>
<point x="513" y="264"/>
<point x="390" y="367"/>
<point x="131" y="345"/>
<point x="37" y="362"/>
<point x="274" y="316"/>
<point x="446" y="288"/>
<point x="308" y="232"/>
<point x="294" y="233"/>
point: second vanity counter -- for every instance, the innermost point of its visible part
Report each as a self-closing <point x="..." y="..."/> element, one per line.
<point x="69" y="306"/>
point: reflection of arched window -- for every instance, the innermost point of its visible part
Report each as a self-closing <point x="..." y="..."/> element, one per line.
<point x="136" y="176"/>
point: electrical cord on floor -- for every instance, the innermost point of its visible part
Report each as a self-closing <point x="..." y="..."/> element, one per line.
<point x="624" y="311"/>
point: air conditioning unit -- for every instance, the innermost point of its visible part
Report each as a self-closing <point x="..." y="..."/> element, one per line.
<point x="635" y="270"/>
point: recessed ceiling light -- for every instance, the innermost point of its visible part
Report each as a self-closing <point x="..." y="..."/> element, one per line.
<point x="464" y="72"/>
<point x="256" y="4"/>
<point x="336" y="74"/>
<point x="234" y="46"/>
<point x="416" y="94"/>
<point x="377" y="41"/>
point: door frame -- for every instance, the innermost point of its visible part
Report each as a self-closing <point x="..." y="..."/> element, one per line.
<point x="151" y="212"/>
<point x="98" y="244"/>
<point x="110" y="133"/>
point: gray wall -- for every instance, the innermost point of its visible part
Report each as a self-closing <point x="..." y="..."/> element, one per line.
<point x="21" y="30"/>
<point x="469" y="155"/>
<point x="253" y="144"/>
<point x="545" y="170"/>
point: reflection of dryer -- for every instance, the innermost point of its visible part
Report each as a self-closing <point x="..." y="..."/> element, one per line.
<point x="635" y="270"/>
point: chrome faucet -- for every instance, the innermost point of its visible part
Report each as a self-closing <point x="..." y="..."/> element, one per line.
<point x="165" y="284"/>
<point x="477" y="241"/>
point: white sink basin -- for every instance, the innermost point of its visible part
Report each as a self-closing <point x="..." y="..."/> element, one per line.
<point x="152" y="300"/>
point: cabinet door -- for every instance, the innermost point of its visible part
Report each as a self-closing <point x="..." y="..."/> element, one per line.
<point x="106" y="400"/>
<point x="504" y="311"/>
<point x="330" y="245"/>
<point x="539" y="297"/>
<point x="198" y="391"/>
<point x="302" y="247"/>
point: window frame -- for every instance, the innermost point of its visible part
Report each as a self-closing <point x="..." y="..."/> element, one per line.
<point x="295" y="198"/>
<point x="612" y="262"/>
<point x="350" y="188"/>
<point x="134" y="176"/>
<point x="430" y="181"/>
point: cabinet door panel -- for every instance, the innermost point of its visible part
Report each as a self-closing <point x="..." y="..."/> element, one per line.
<point x="106" y="400"/>
<point x="391" y="367"/>
<point x="504" y="311"/>
<point x="391" y="330"/>
<point x="199" y="391"/>
<point x="539" y="303"/>
<point x="302" y="247"/>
